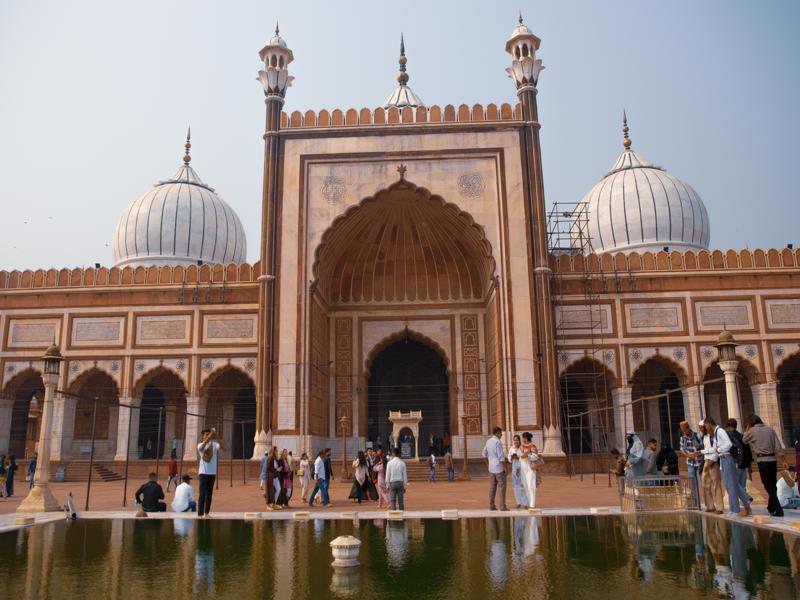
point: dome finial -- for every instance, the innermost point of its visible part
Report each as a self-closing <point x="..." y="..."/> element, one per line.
<point x="187" y="146"/>
<point x="520" y="16"/>
<point x="626" y="140"/>
<point x="277" y="29"/>
<point x="402" y="76"/>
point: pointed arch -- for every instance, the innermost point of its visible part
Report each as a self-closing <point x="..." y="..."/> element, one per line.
<point x="229" y="394"/>
<point x="401" y="335"/>
<point x="24" y="431"/>
<point x="162" y="407"/>
<point x="585" y="387"/>
<point x="93" y="383"/>
<point x="658" y="417"/>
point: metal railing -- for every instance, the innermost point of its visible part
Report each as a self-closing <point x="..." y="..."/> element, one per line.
<point x="665" y="493"/>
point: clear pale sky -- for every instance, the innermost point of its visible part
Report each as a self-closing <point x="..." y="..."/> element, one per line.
<point x="95" y="97"/>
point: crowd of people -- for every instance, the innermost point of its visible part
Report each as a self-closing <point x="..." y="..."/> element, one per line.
<point x="718" y="458"/>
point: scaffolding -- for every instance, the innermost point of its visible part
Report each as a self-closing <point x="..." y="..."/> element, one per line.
<point x="585" y="404"/>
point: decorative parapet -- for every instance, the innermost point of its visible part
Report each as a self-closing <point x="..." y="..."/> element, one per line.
<point x="675" y="261"/>
<point x="395" y="116"/>
<point x="129" y="276"/>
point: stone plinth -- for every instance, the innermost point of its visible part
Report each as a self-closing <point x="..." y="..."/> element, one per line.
<point x="345" y="549"/>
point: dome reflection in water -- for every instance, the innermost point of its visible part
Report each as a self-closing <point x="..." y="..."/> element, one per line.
<point x="653" y="556"/>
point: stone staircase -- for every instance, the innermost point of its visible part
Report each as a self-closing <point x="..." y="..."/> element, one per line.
<point x="79" y="471"/>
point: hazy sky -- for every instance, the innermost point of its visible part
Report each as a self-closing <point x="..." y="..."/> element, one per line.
<point x="95" y="97"/>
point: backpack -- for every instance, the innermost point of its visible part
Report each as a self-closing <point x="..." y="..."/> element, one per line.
<point x="740" y="451"/>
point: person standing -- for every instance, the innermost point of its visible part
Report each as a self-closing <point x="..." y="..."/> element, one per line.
<point x="766" y="446"/>
<point x="322" y="481"/>
<point x="690" y="445"/>
<point x="208" y="450"/>
<point x="328" y="472"/>
<point x="495" y="462"/>
<point x="32" y="470"/>
<point x="432" y="465"/>
<point x="287" y="478"/>
<point x="667" y="461"/>
<point x="360" y="476"/>
<point x="172" y="471"/>
<point x="635" y="466"/>
<point x="263" y="475"/>
<point x="183" y="499"/>
<point x="728" y="468"/>
<point x="10" y="470"/>
<point x="397" y="479"/>
<point x="272" y="491"/>
<point x="304" y="474"/>
<point x="448" y="464"/>
<point x="712" y="486"/>
<point x="380" y="472"/>
<point x="529" y="459"/>
<point x="744" y="458"/>
<point x="649" y="457"/>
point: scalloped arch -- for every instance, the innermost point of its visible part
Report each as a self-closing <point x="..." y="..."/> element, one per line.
<point x="401" y="335"/>
<point x="151" y="374"/>
<point x="403" y="244"/>
<point x="214" y="375"/>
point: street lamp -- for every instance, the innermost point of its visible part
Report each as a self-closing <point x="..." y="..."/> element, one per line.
<point x="344" y="424"/>
<point x="40" y="498"/>
<point x="726" y="346"/>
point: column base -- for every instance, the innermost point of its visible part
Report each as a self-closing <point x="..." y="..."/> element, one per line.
<point x="552" y="441"/>
<point x="263" y="441"/>
<point x="40" y="499"/>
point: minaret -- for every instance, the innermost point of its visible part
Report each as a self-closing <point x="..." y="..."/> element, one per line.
<point x="402" y="96"/>
<point x="524" y="70"/>
<point x="275" y="79"/>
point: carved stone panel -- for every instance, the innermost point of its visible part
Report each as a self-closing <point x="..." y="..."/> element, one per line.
<point x="97" y="331"/>
<point x="236" y="329"/>
<point x="654" y="317"/>
<point x="33" y="333"/>
<point x="733" y="314"/>
<point x="163" y="330"/>
<point x="471" y="373"/>
<point x="784" y="313"/>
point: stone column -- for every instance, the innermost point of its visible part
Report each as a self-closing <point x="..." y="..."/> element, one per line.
<point x="170" y="419"/>
<point x="113" y="416"/>
<point x="227" y="429"/>
<point x="6" y="410"/>
<point x="765" y="403"/>
<point x="693" y="406"/>
<point x="623" y="414"/>
<point x="63" y="427"/>
<point x="194" y="406"/>
<point x="729" y="368"/>
<point x="127" y="422"/>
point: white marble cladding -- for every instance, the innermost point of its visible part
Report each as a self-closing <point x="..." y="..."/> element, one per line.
<point x="580" y="319"/>
<point x="33" y="333"/>
<point x="112" y="368"/>
<point x="220" y="329"/>
<point x="163" y="329"/>
<point x="783" y="313"/>
<point x="654" y="317"/>
<point x="94" y="331"/>
<point x="717" y="315"/>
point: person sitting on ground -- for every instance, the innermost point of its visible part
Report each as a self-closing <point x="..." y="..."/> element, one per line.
<point x="667" y="460"/>
<point x="649" y="458"/>
<point x="150" y="494"/>
<point x="788" y="494"/>
<point x="618" y="464"/>
<point x="183" y="501"/>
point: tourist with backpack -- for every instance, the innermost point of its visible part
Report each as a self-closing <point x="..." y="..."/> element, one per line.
<point x="729" y="468"/>
<point x="743" y="455"/>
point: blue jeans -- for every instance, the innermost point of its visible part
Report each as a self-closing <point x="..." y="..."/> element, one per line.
<point x="694" y="473"/>
<point x="192" y="506"/>
<point x="450" y="474"/>
<point x="397" y="490"/>
<point x="792" y="503"/>
<point x="322" y="487"/>
<point x="730" y="479"/>
<point x="432" y="476"/>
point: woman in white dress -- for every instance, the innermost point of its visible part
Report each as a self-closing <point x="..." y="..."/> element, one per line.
<point x="304" y="473"/>
<point x="516" y="472"/>
<point x="528" y="468"/>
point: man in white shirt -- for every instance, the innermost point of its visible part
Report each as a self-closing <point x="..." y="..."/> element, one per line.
<point x="729" y="468"/>
<point x="321" y="485"/>
<point x="496" y="462"/>
<point x="397" y="479"/>
<point x="183" y="501"/>
<point x="208" y="450"/>
<point x="712" y="486"/>
<point x="788" y="495"/>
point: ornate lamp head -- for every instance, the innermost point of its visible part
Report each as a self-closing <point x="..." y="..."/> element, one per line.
<point x="274" y="77"/>
<point x="522" y="46"/>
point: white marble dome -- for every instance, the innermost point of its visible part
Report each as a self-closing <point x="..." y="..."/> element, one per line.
<point x="178" y="222"/>
<point x="639" y="207"/>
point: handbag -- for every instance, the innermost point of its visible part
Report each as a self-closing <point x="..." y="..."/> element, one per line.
<point x="301" y="472"/>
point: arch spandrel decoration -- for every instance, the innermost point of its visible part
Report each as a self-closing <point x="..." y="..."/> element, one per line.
<point x="605" y="360"/>
<point x="403" y="244"/>
<point x="673" y="357"/>
<point x="146" y="370"/>
<point x="77" y="368"/>
<point x="18" y="375"/>
<point x="783" y="351"/>
<point x="212" y="369"/>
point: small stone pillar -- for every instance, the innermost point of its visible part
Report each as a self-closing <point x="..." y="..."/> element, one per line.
<point x="127" y="422"/>
<point x="623" y="414"/>
<point x="693" y="405"/>
<point x="194" y="406"/>
<point x="345" y="549"/>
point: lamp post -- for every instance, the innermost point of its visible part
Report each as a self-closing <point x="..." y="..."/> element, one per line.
<point x="464" y="472"/>
<point x="729" y="365"/>
<point x="40" y="498"/>
<point x="344" y="423"/>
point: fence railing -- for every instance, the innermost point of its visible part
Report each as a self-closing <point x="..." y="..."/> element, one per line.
<point x="650" y="494"/>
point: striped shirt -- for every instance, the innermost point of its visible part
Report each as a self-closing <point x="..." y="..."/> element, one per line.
<point x="692" y="443"/>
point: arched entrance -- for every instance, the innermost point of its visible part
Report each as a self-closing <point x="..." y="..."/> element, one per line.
<point x="716" y="395"/>
<point x="658" y="417"/>
<point x="586" y="386"/>
<point x="24" y="434"/>
<point x="405" y="375"/>
<point x="230" y="397"/>
<point x="161" y="414"/>
<point x="94" y="384"/>
<point x="789" y="398"/>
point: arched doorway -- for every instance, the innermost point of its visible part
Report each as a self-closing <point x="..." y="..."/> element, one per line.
<point x="230" y="397"/>
<point x="89" y="385"/>
<point x="658" y="417"/>
<point x="716" y="395"/>
<point x="406" y="375"/>
<point x="24" y="433"/>
<point x="586" y="386"/>
<point x="789" y="398"/>
<point x="161" y="414"/>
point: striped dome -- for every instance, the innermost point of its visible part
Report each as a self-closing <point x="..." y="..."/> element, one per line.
<point x="638" y="207"/>
<point x="179" y="222"/>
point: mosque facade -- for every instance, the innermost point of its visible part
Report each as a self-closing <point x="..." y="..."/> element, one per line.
<point x="407" y="263"/>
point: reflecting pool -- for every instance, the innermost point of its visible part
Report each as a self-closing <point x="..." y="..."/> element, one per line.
<point x="657" y="556"/>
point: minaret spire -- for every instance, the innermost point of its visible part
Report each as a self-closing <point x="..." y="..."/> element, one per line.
<point x="402" y="76"/>
<point x="402" y="95"/>
<point x="626" y="141"/>
<point x="187" y="146"/>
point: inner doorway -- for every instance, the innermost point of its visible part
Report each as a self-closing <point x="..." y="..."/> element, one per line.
<point x="408" y="375"/>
